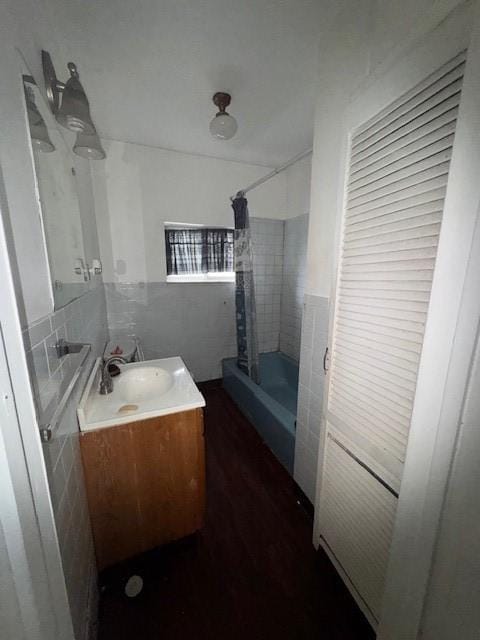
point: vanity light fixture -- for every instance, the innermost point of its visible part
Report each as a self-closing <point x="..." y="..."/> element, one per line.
<point x="68" y="101"/>
<point x="223" y="126"/>
<point x="38" y="128"/>
<point x="89" y="146"/>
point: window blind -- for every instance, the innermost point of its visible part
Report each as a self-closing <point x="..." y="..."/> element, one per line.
<point x="199" y="250"/>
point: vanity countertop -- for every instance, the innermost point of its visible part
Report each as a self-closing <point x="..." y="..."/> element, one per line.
<point x="142" y="390"/>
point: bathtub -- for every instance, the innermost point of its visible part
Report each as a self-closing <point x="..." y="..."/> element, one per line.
<point x="271" y="406"/>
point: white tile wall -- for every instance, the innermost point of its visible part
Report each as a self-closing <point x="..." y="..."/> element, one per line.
<point x="310" y="392"/>
<point x="293" y="284"/>
<point x="195" y="321"/>
<point x="83" y="320"/>
<point x="267" y="240"/>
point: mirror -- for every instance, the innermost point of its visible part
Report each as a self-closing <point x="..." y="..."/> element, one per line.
<point x="58" y="196"/>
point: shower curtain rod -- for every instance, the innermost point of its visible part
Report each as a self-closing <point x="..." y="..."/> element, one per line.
<point x="272" y="174"/>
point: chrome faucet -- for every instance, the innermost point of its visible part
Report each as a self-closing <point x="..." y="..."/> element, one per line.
<point x="106" y="382"/>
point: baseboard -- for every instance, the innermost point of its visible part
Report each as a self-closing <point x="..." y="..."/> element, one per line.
<point x="304" y="502"/>
<point x="91" y="625"/>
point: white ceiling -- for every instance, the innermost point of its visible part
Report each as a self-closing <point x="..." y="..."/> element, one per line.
<point x="150" y="68"/>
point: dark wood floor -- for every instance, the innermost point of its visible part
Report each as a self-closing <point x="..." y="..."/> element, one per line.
<point x="252" y="571"/>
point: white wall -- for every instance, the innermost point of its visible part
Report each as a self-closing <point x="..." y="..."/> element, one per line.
<point x="10" y="618"/>
<point x="28" y="25"/>
<point x="298" y="178"/>
<point x="453" y="599"/>
<point x="139" y="188"/>
<point x="366" y="36"/>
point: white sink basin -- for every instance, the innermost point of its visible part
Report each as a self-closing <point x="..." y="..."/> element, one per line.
<point x="141" y="383"/>
<point x="142" y="390"/>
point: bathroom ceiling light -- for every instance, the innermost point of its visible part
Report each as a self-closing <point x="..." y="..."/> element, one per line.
<point x="223" y="126"/>
<point x="38" y="128"/>
<point x="89" y="146"/>
<point x="72" y="111"/>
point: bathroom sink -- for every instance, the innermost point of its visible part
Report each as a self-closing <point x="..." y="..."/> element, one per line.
<point x="141" y="383"/>
<point x="143" y="390"/>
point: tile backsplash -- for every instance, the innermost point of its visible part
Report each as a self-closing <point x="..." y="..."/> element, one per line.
<point x="195" y="321"/>
<point x="83" y="320"/>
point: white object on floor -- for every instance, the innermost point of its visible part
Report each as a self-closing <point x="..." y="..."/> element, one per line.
<point x="133" y="586"/>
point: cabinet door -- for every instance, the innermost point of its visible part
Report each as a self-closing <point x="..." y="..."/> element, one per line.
<point x="145" y="483"/>
<point x="398" y="170"/>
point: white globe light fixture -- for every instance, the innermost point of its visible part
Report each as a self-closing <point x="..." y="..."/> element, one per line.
<point x="223" y="126"/>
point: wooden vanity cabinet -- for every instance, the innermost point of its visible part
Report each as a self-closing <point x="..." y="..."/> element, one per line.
<point x="145" y="483"/>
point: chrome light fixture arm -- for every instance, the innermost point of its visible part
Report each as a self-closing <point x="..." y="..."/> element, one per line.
<point x="53" y="85"/>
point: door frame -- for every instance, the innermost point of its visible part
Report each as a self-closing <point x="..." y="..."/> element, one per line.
<point x="26" y="517"/>
<point x="448" y="345"/>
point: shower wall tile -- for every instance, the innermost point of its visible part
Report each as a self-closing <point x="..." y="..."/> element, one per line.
<point x="83" y="320"/>
<point x="267" y="241"/>
<point x="293" y="284"/>
<point x="310" y="392"/>
<point x="195" y="321"/>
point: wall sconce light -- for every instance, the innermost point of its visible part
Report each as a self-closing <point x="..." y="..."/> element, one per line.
<point x="223" y="126"/>
<point x="89" y="146"/>
<point x="38" y="128"/>
<point x="68" y="101"/>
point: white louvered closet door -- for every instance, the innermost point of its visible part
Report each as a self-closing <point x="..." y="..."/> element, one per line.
<point x="397" y="177"/>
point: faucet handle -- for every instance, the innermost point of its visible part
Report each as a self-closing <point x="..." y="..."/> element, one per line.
<point x="114" y="370"/>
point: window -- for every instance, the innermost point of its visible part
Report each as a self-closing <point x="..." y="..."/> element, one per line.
<point x="199" y="254"/>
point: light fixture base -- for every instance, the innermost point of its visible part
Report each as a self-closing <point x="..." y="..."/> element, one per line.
<point x="222" y="100"/>
<point x="53" y="86"/>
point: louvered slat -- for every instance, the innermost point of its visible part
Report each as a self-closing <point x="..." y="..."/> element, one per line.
<point x="430" y="84"/>
<point x="429" y="144"/>
<point x="402" y="240"/>
<point x="403" y="359"/>
<point x="350" y="309"/>
<point x="357" y="516"/>
<point x="431" y="108"/>
<point x="410" y="166"/>
<point x="416" y="139"/>
<point x="430" y="121"/>
<point x="381" y="376"/>
<point x="423" y="182"/>
<point x="417" y="211"/>
<point x="398" y="175"/>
